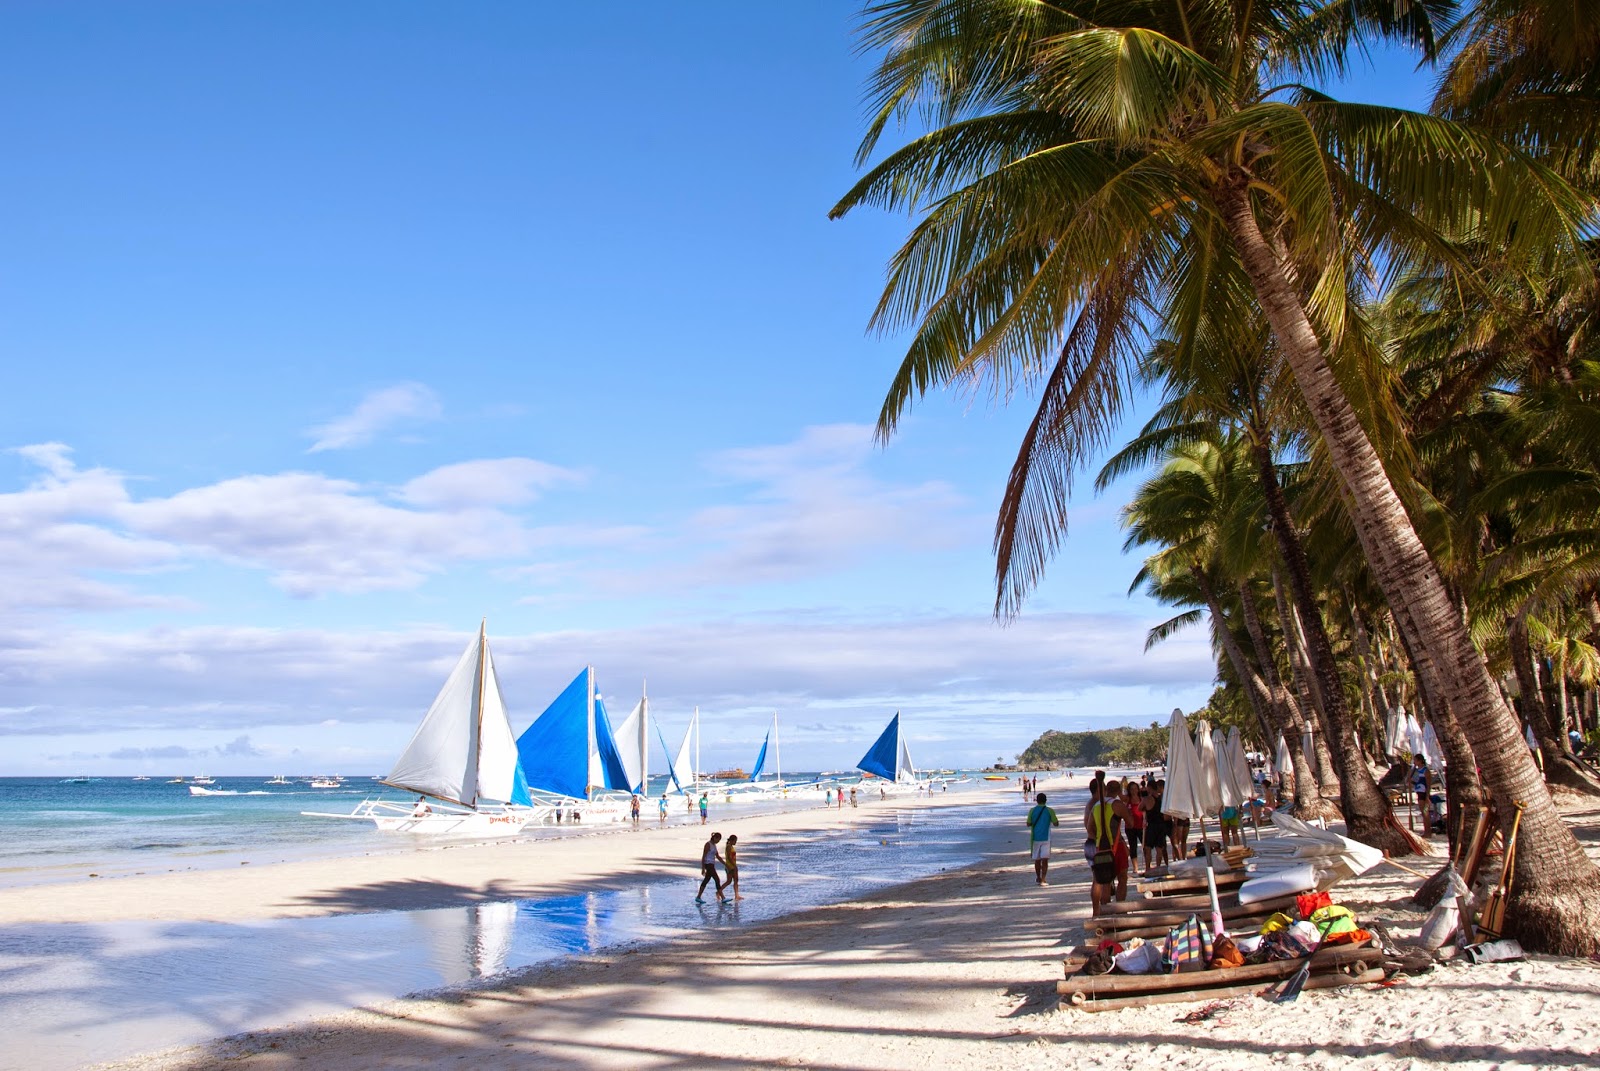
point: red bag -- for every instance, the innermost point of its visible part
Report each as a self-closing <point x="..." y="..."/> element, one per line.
<point x="1307" y="903"/>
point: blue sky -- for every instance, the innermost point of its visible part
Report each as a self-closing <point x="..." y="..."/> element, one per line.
<point x="331" y="328"/>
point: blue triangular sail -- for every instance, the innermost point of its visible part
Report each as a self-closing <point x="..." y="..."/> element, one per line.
<point x="882" y="757"/>
<point x="761" y="757"/>
<point x="519" y="788"/>
<point x="612" y="774"/>
<point x="554" y="750"/>
<point x="671" y="772"/>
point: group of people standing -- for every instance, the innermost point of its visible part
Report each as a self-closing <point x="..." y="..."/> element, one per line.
<point x="1121" y="820"/>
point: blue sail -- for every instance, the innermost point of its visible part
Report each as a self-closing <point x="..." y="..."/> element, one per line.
<point x="555" y="749"/>
<point x="881" y="758"/>
<point x="671" y="770"/>
<point x="613" y="775"/>
<point x="761" y="758"/>
<point x="519" y="788"/>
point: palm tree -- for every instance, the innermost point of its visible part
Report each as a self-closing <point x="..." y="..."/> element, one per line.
<point x="1094" y="165"/>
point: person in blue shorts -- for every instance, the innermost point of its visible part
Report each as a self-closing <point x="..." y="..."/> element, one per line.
<point x="1040" y="820"/>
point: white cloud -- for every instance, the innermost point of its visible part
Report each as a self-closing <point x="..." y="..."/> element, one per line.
<point x="967" y="685"/>
<point x="378" y="411"/>
<point x="505" y="481"/>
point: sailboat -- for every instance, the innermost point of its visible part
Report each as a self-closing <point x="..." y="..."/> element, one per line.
<point x="755" y="788"/>
<point x="683" y="767"/>
<point x="890" y="760"/>
<point x="463" y="757"/>
<point x="572" y="759"/>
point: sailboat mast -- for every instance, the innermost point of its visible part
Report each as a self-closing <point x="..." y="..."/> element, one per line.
<point x="777" y="750"/>
<point x="477" y="755"/>
<point x="696" y="780"/>
<point x="644" y="738"/>
<point x="588" y="758"/>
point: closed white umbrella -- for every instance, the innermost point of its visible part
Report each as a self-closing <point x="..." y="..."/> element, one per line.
<point x="1228" y="787"/>
<point x="1392" y="737"/>
<point x="1413" y="734"/>
<point x="1181" y="799"/>
<point x="1430" y="746"/>
<point x="1209" y="781"/>
<point x="1282" y="764"/>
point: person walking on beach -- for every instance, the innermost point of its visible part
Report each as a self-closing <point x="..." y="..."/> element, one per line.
<point x="633" y="805"/>
<point x="1040" y="820"/>
<point x="708" y="868"/>
<point x="662" y="807"/>
<point x="703" y="805"/>
<point x="1103" y="819"/>
<point x="852" y="795"/>
<point x="730" y="863"/>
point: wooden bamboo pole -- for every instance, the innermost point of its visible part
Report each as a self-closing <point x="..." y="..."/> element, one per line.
<point x="1109" y="924"/>
<point x="1316" y="981"/>
<point x="1122" y="984"/>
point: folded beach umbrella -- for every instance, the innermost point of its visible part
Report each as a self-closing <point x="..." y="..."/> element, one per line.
<point x="1430" y="746"/>
<point x="1181" y="798"/>
<point x="1227" y="787"/>
<point x="1527" y="734"/>
<point x="1334" y="858"/>
<point x="1391" y="739"/>
<point x="1282" y="764"/>
<point x="1413" y="734"/>
<point x="1239" y="766"/>
<point x="1209" y="783"/>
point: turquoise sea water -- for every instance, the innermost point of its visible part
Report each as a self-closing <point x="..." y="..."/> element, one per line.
<point x="55" y="830"/>
<point x="81" y="993"/>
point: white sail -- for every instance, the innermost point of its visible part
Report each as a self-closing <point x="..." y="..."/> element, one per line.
<point x="632" y="745"/>
<point x="683" y="765"/>
<point x="903" y="770"/>
<point x="497" y="744"/>
<point x="442" y="758"/>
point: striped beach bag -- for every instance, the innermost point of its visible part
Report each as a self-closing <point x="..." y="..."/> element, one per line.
<point x="1188" y="947"/>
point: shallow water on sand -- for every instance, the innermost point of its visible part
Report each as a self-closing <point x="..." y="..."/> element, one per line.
<point x="77" y="994"/>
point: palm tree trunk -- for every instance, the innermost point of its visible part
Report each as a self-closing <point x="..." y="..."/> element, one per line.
<point x="1554" y="904"/>
<point x="1314" y="724"/>
<point x="1560" y="768"/>
<point x="1308" y="801"/>
<point x="1367" y="814"/>
<point x="1463" y="792"/>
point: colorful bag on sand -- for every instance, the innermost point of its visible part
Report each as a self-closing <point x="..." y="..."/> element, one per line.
<point x="1334" y="919"/>
<point x="1224" y="953"/>
<point x="1306" y="905"/>
<point x="1275" y="922"/>
<point x="1188" y="947"/>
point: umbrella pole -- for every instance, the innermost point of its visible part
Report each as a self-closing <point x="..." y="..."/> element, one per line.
<point x="1211" y="882"/>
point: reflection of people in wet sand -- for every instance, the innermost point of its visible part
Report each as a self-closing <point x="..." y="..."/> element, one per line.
<point x="730" y="863"/>
<point x="709" y="858"/>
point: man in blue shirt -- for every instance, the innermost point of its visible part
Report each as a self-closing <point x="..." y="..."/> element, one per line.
<point x="1040" y="819"/>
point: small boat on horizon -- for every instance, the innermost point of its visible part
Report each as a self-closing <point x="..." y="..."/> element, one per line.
<point x="280" y="780"/>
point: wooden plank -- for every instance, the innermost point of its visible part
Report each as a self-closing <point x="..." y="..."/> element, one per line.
<point x="1168" y="903"/>
<point x="1166" y="886"/>
<point x="1108" y="925"/>
<point x="1122" y="984"/>
<point x="1316" y="981"/>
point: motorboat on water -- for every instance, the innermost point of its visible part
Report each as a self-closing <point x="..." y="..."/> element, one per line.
<point x="280" y="780"/>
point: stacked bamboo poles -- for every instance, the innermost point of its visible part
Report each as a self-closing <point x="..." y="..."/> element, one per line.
<point x="1346" y="964"/>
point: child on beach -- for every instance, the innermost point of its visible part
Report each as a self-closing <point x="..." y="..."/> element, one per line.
<point x="661" y="806"/>
<point x="730" y="863"/>
<point x="709" y="857"/>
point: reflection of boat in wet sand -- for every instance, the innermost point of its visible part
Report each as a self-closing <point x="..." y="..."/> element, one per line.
<point x="463" y="756"/>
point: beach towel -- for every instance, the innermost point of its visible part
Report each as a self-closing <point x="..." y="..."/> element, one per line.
<point x="1188" y="947"/>
<point x="1334" y="919"/>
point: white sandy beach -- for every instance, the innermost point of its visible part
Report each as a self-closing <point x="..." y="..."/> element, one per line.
<point x="953" y="971"/>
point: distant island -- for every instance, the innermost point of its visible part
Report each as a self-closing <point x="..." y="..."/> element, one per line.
<point x="1097" y="747"/>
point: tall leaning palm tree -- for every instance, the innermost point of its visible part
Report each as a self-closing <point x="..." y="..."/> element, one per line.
<point x="1092" y="165"/>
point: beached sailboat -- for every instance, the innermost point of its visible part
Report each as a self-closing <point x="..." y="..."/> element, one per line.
<point x="889" y="760"/>
<point x="463" y="757"/>
<point x="755" y="788"/>
<point x="572" y="759"/>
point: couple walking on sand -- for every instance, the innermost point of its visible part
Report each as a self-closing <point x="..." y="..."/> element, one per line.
<point x="709" y="858"/>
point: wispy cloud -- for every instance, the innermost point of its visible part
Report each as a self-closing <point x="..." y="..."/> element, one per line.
<point x="505" y="481"/>
<point x="400" y="404"/>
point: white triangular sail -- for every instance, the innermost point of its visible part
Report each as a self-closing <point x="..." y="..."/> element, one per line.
<point x="683" y="765"/>
<point x="631" y="745"/>
<point x="464" y="750"/>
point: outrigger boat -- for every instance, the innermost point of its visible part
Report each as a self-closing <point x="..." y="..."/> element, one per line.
<point x="461" y="764"/>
